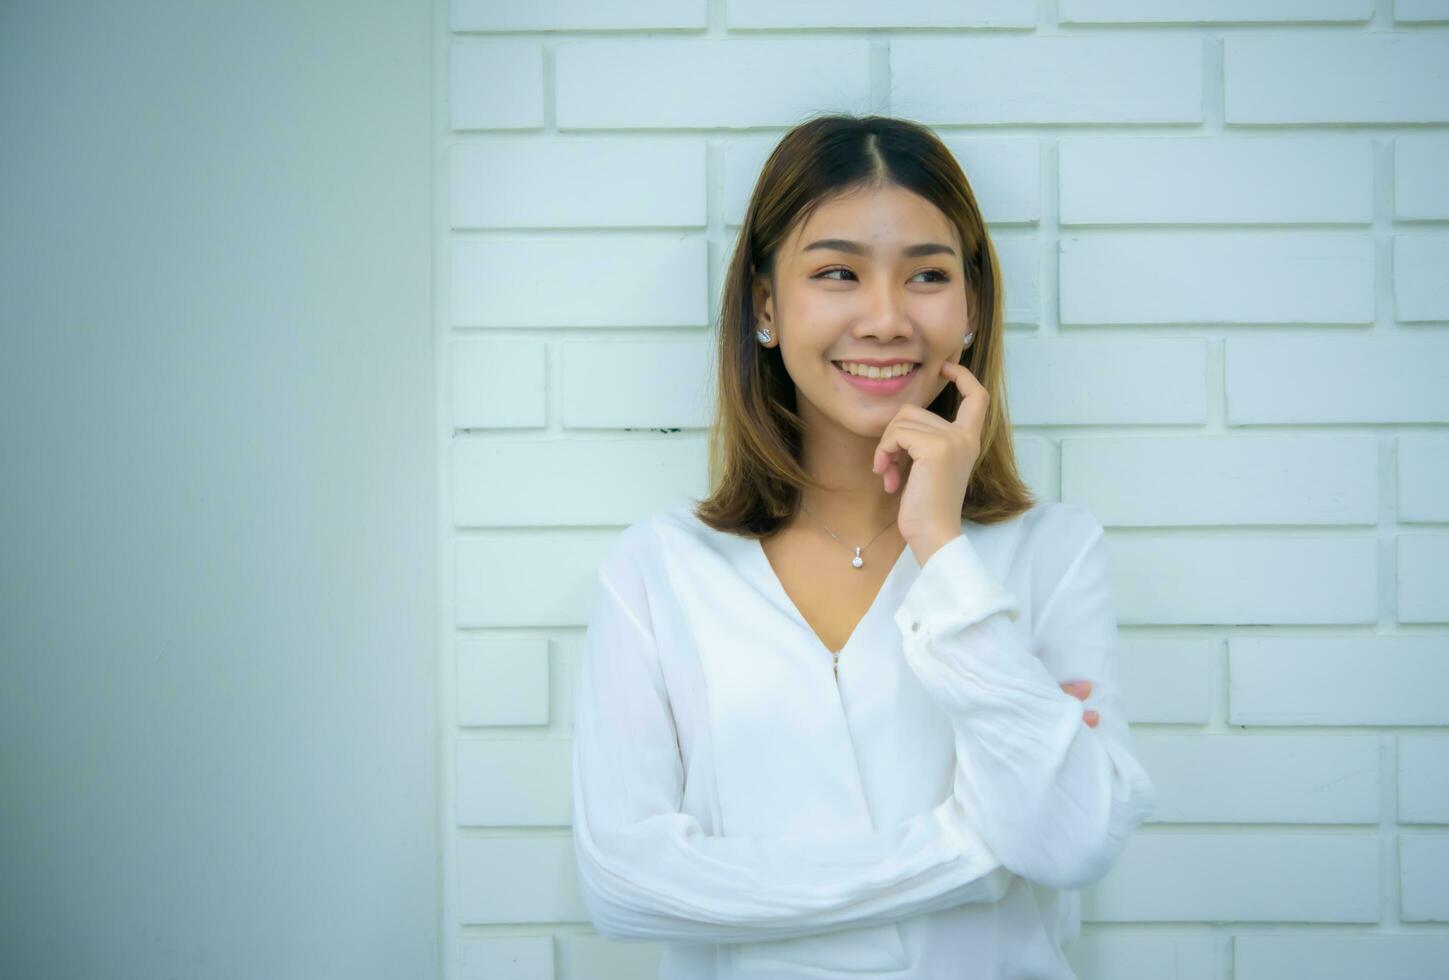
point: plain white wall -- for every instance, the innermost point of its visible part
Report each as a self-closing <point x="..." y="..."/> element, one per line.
<point x="218" y="548"/>
<point x="1225" y="235"/>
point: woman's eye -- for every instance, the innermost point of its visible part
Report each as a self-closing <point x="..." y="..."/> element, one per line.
<point x="941" y="276"/>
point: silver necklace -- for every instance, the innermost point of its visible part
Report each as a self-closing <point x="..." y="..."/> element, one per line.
<point x="857" y="561"/>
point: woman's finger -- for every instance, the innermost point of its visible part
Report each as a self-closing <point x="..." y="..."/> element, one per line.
<point x="971" y="411"/>
<point x="893" y="453"/>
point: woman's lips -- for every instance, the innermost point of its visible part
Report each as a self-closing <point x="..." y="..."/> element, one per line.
<point x="879" y="386"/>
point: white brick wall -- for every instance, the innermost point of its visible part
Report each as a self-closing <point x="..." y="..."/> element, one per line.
<point x="1224" y="227"/>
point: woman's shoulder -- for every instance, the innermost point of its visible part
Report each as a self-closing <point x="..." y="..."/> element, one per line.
<point x="642" y="544"/>
<point x="1036" y="550"/>
<point x="1045" y="528"/>
<point x="1064" y="524"/>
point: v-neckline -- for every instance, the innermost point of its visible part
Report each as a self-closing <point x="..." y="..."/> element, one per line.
<point x="757" y="547"/>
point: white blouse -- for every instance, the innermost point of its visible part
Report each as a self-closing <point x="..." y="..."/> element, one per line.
<point x="928" y="814"/>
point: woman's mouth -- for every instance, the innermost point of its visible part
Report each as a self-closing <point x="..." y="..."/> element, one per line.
<point x="888" y="380"/>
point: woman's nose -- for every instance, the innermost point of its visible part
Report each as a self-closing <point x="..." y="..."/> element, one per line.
<point x="888" y="315"/>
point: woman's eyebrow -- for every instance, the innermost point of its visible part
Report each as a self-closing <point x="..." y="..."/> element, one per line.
<point x="858" y="248"/>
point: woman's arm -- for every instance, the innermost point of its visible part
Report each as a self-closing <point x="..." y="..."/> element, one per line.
<point x="647" y="871"/>
<point x="1053" y="798"/>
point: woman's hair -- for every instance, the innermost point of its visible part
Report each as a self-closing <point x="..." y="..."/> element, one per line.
<point x="755" y="474"/>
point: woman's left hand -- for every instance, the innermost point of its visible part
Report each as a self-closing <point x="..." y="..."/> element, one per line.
<point x="938" y="458"/>
<point x="1081" y="690"/>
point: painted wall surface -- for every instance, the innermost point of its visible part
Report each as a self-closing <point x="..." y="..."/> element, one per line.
<point x="218" y="492"/>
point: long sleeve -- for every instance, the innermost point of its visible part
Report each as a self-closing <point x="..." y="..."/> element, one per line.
<point x="1054" y="798"/>
<point x="648" y="871"/>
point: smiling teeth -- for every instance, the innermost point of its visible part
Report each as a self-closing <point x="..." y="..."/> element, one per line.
<point x="872" y="371"/>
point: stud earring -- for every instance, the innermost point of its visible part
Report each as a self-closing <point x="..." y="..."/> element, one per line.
<point x="967" y="340"/>
<point x="764" y="335"/>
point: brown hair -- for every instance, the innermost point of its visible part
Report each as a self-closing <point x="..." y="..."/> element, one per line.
<point x="755" y="475"/>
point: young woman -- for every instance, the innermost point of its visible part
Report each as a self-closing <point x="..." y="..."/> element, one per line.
<point x="830" y="719"/>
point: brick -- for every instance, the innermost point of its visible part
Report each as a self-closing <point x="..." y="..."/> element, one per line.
<point x="1318" y="379"/>
<point x="502" y="681"/>
<point x="495" y="84"/>
<point x="1378" y="679"/>
<point x="1047" y="79"/>
<point x="1244" y="579"/>
<point x="650" y="384"/>
<point x="541" y="876"/>
<point x="499" y="383"/>
<point x="1168" y="680"/>
<point x="1423" y="460"/>
<point x="578" y="15"/>
<point x="1336" y="78"/>
<point x="1148" y="481"/>
<point x="1423" y="779"/>
<point x="1420" y="191"/>
<point x="1421" y="277"/>
<point x="1317" y="954"/>
<point x="759" y="14"/>
<point x="1424" y="877"/>
<point x="1263" y="778"/>
<point x="513" y="782"/>
<point x="633" y="280"/>
<point x="568" y="651"/>
<point x="1193" y="180"/>
<point x="506" y="958"/>
<point x="1236" y="277"/>
<point x="1005" y="177"/>
<point x="741" y="160"/>
<point x="1423" y="574"/>
<point x="1106" y="380"/>
<point x="1120" y="955"/>
<point x="526" y="578"/>
<point x="597" y="958"/>
<point x="1421" y="11"/>
<point x="1211" y="11"/>
<point x="605" y="183"/>
<point x="1031" y="465"/>
<point x="522" y="483"/>
<point x="1020" y="259"/>
<point x="1243" y="877"/>
<point x="728" y="83"/>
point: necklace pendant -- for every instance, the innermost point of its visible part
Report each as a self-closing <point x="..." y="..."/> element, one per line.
<point x="857" y="561"/>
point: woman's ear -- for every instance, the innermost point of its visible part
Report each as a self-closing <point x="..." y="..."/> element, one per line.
<point x="763" y="302"/>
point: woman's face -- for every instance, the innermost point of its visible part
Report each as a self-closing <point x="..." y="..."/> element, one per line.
<point x="875" y="275"/>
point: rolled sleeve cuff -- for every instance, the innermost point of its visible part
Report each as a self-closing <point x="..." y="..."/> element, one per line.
<point x="953" y="590"/>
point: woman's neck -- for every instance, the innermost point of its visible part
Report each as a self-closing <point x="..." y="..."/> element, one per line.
<point x="855" y="504"/>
